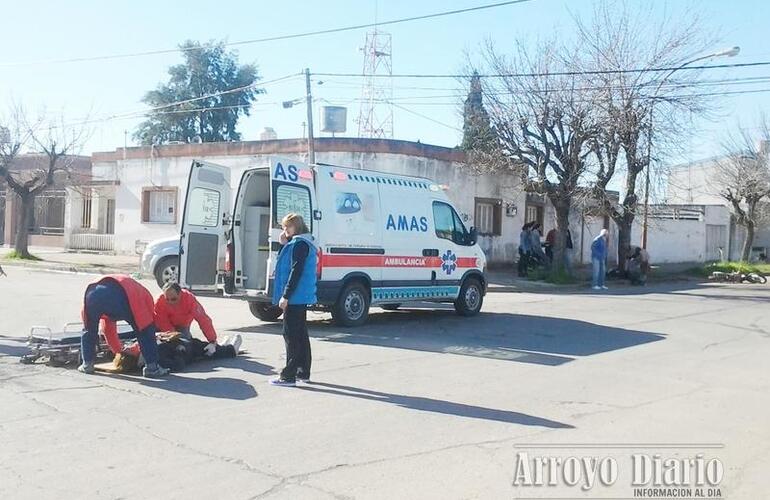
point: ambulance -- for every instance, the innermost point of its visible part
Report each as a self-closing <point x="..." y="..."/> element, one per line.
<point x="383" y="239"/>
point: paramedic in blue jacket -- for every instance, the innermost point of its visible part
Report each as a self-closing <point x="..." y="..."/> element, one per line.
<point x="294" y="289"/>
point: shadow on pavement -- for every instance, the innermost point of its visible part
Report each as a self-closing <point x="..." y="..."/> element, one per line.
<point x="13" y="346"/>
<point x="510" y="337"/>
<point x="212" y="387"/>
<point x="241" y="362"/>
<point x="436" y="405"/>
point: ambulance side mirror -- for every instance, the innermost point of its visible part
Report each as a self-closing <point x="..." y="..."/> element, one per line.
<point x="473" y="235"/>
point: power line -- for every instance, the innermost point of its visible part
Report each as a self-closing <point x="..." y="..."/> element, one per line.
<point x="556" y="73"/>
<point x="426" y="117"/>
<point x="145" y="112"/>
<point x="275" y="38"/>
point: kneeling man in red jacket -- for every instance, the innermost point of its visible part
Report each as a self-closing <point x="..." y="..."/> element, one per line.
<point x="175" y="310"/>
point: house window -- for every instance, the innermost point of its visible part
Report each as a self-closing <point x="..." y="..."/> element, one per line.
<point x="533" y="213"/>
<point x="159" y="205"/>
<point x="85" y="215"/>
<point x="488" y="216"/>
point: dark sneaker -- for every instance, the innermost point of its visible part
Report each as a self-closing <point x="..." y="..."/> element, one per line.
<point x="283" y="383"/>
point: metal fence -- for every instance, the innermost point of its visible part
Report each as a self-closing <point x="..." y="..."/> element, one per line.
<point x="91" y="241"/>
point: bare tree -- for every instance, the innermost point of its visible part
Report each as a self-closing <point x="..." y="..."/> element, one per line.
<point x="743" y="179"/>
<point x="626" y="50"/>
<point x="53" y="146"/>
<point x="542" y="123"/>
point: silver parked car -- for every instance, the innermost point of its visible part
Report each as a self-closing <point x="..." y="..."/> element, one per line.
<point x="161" y="260"/>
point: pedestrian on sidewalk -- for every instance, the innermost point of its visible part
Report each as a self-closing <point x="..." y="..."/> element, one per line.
<point x="599" y="259"/>
<point x="524" y="250"/>
<point x="535" y="246"/>
<point x="294" y="289"/>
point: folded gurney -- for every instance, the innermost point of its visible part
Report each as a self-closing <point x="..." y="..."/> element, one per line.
<point x="63" y="347"/>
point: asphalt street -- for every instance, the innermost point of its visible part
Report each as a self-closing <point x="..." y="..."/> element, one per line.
<point x="419" y="403"/>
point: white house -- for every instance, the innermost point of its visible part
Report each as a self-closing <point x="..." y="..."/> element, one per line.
<point x="138" y="193"/>
<point x="692" y="184"/>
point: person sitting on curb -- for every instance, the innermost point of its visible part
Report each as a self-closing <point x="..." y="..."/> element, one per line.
<point x="638" y="265"/>
<point x="175" y="310"/>
<point x="116" y="298"/>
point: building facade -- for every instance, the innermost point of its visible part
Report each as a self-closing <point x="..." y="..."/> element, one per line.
<point x="138" y="193"/>
<point x="692" y="184"/>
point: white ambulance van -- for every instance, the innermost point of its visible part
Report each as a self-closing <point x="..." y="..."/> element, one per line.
<point x="384" y="239"/>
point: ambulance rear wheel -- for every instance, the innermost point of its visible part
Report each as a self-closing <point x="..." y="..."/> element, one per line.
<point x="471" y="297"/>
<point x="265" y="312"/>
<point x="352" y="308"/>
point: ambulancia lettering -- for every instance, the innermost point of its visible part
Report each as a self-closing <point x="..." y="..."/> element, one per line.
<point x="404" y="262"/>
<point x="405" y="223"/>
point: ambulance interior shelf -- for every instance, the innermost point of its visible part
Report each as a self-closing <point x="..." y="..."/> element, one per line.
<point x="254" y="230"/>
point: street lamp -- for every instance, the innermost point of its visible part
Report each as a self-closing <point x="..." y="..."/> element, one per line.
<point x="731" y="52"/>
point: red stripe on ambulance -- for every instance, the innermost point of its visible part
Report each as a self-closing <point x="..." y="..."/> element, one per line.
<point x="343" y="260"/>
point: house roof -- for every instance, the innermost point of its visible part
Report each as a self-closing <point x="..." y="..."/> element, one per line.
<point x="284" y="146"/>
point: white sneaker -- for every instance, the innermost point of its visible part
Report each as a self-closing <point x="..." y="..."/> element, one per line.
<point x="596" y="288"/>
<point x="236" y="342"/>
<point x="605" y="288"/>
<point x="282" y="383"/>
<point x="227" y="340"/>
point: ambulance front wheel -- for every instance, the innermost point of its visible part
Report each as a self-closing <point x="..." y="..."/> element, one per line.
<point x="264" y="311"/>
<point x="471" y="296"/>
<point x="352" y="307"/>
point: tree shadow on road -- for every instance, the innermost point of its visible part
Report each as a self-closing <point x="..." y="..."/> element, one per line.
<point x="436" y="405"/>
<point x="504" y="336"/>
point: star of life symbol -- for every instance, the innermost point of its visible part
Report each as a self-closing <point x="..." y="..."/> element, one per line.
<point x="448" y="262"/>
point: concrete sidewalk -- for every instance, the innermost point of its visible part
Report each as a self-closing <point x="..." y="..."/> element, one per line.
<point x="57" y="259"/>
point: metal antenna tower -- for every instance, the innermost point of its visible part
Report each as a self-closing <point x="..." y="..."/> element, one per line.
<point x="375" y="120"/>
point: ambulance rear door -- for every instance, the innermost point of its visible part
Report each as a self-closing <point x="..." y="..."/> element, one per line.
<point x="292" y="190"/>
<point x="204" y="220"/>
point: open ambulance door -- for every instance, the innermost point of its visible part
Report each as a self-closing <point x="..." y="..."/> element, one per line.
<point x="204" y="221"/>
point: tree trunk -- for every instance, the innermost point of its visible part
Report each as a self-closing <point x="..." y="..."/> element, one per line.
<point x="560" y="243"/>
<point x="21" y="245"/>
<point x="748" y="242"/>
<point x="624" y="240"/>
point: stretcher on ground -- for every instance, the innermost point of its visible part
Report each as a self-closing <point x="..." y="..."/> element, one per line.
<point x="63" y="347"/>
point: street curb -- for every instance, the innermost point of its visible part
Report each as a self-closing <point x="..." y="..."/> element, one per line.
<point x="65" y="268"/>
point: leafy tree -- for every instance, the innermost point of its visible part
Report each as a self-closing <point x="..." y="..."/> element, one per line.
<point x="208" y="69"/>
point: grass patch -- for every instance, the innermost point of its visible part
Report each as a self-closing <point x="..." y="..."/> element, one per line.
<point x="729" y="267"/>
<point x="555" y="277"/>
<point x="14" y="255"/>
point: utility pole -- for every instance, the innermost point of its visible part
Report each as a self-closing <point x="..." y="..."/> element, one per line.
<point x="310" y="138"/>
<point x="731" y="52"/>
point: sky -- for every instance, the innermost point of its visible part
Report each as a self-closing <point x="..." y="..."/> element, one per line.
<point x="36" y="32"/>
